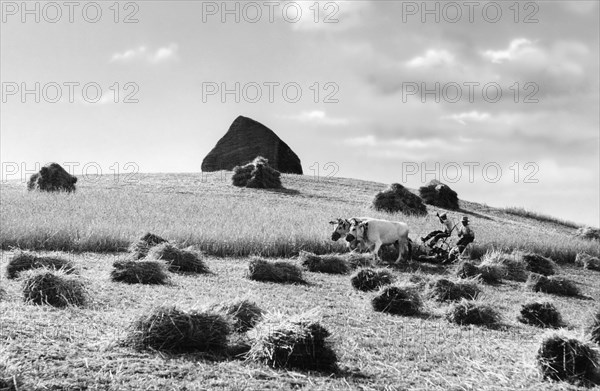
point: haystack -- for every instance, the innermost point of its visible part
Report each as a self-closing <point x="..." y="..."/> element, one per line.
<point x="256" y="174"/>
<point x="356" y="260"/>
<point x="565" y="358"/>
<point x="588" y="233"/>
<point x="140" y="248"/>
<point x="52" y="177"/>
<point x="173" y="330"/>
<point x="513" y="267"/>
<point x="439" y="194"/>
<point x="399" y="199"/>
<point x="587" y="261"/>
<point x="488" y="273"/>
<point x="595" y="328"/>
<point x="299" y="342"/>
<point x="369" y="279"/>
<point x="22" y="261"/>
<point x="537" y="263"/>
<point x="443" y="289"/>
<point x="472" y="312"/>
<point x="542" y="314"/>
<point x="274" y="271"/>
<point x="139" y="272"/>
<point x="398" y="300"/>
<point x="55" y="288"/>
<point x="554" y="285"/>
<point x="331" y="264"/>
<point x="178" y="260"/>
<point x="245" y="313"/>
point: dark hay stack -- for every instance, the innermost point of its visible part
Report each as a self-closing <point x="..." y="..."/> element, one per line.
<point x="443" y="289"/>
<point x="512" y="266"/>
<point x="245" y="313"/>
<point x="398" y="199"/>
<point x="332" y="263"/>
<point x="540" y="314"/>
<point x="178" y="260"/>
<point x="472" y="312"/>
<point x="438" y="194"/>
<point x="369" y="279"/>
<point x="139" y="249"/>
<point x="398" y="300"/>
<point x="595" y="328"/>
<point x="22" y="261"/>
<point x="587" y="261"/>
<point x="487" y="273"/>
<point x="139" y="272"/>
<point x="563" y="358"/>
<point x="257" y="174"/>
<point x="279" y="271"/>
<point x="588" y="233"/>
<point x="54" y="288"/>
<point x="52" y="177"/>
<point x="537" y="263"/>
<point x="554" y="285"/>
<point x="172" y="330"/>
<point x="296" y="343"/>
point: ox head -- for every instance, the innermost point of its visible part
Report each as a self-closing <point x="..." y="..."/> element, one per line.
<point x="340" y="228"/>
<point x="357" y="232"/>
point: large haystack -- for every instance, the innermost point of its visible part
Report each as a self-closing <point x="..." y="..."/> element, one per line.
<point x="399" y="199"/>
<point x="439" y="194"/>
<point x="588" y="233"/>
<point x="52" y="177"/>
<point x="257" y="175"/>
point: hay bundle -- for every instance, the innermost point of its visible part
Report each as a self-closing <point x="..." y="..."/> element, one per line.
<point x="178" y="260"/>
<point x="172" y="330"/>
<point x="438" y="194"/>
<point x="588" y="233"/>
<point x="398" y="300"/>
<point x="399" y="199"/>
<point x="537" y="263"/>
<point x="369" y="279"/>
<point x="356" y="260"/>
<point x="54" y="288"/>
<point x="52" y="177"/>
<point x="472" y="312"/>
<point x="299" y="342"/>
<point x="332" y="263"/>
<point x="22" y="261"/>
<point x="257" y="174"/>
<point x="540" y="314"/>
<point x="279" y="271"/>
<point x="554" y="285"/>
<point x="488" y="273"/>
<point x="139" y="272"/>
<point x="595" y="328"/>
<point x="139" y="249"/>
<point x="445" y="290"/>
<point x="587" y="261"/>
<point x="512" y="266"/>
<point x="562" y="357"/>
<point x="245" y="313"/>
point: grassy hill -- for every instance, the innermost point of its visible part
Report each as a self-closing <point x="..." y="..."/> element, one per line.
<point x="77" y="348"/>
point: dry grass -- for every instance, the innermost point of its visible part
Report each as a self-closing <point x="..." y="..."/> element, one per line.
<point x="513" y="267"/>
<point x="443" y="289"/>
<point x="473" y="312"/>
<point x="245" y="313"/>
<point x="178" y="260"/>
<point x="139" y="249"/>
<point x="24" y="260"/>
<point x="55" y="288"/>
<point x="594" y="328"/>
<point x="139" y="272"/>
<point x="542" y="314"/>
<point x="489" y="273"/>
<point x="330" y="263"/>
<point x="398" y="300"/>
<point x="554" y="285"/>
<point x="278" y="271"/>
<point x="369" y="279"/>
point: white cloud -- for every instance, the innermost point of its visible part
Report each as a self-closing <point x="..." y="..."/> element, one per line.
<point x="318" y="117"/>
<point x="432" y="58"/>
<point x="463" y="118"/>
<point x="368" y="140"/>
<point x="517" y="49"/>
<point x="143" y="54"/>
<point x="328" y="15"/>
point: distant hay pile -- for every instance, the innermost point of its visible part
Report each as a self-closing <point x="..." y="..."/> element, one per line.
<point x="257" y="174"/>
<point x="139" y="249"/>
<point x="554" y="285"/>
<point x="489" y="273"/>
<point x="537" y="263"/>
<point x="178" y="260"/>
<point x="565" y="358"/>
<point x="595" y="328"/>
<point x="278" y="271"/>
<point x="245" y="313"/>
<point x="173" y="330"/>
<point x="139" y="272"/>
<point x="299" y="342"/>
<point x="587" y="261"/>
<point x="541" y="315"/>
<point x="398" y="199"/>
<point x="369" y="279"/>
<point x="472" y="312"/>
<point x="22" y="261"/>
<point x="443" y="289"/>
<point x="398" y="300"/>
<point x="513" y="267"/>
<point x="588" y="233"/>
<point x="52" y="177"/>
<point x="331" y="264"/>
<point x="438" y="194"/>
<point x="55" y="288"/>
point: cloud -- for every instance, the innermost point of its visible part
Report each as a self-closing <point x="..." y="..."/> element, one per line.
<point x="517" y="49"/>
<point x="463" y="118"/>
<point x="330" y="15"/>
<point x="318" y="117"/>
<point x="432" y="58"/>
<point x="141" y="53"/>
<point x="368" y="140"/>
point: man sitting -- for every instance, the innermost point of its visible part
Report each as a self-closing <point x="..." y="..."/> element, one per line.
<point x="437" y="235"/>
<point x="466" y="235"/>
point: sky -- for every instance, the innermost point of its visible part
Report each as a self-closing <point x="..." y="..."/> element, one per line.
<point x="500" y="100"/>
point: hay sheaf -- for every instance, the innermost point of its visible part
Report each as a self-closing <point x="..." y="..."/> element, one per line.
<point x="399" y="199"/>
<point x="439" y="194"/>
<point x="274" y="271"/>
<point x="594" y="328"/>
<point x="489" y="273"/>
<point x="257" y="174"/>
<point x="331" y="264"/>
<point x="22" y="261"/>
<point x="55" y="288"/>
<point x="140" y="248"/>
<point x="8" y="381"/>
<point x="443" y="289"/>
<point x="588" y="233"/>
<point x="512" y="266"/>
<point x="139" y="272"/>
<point x="299" y="342"/>
<point x="369" y="279"/>
<point x="554" y="285"/>
<point x="178" y="260"/>
<point x="565" y="358"/>
<point x="587" y="261"/>
<point x="173" y="330"/>
<point x="52" y="177"/>
<point x="542" y="314"/>
<point x="398" y="300"/>
<point x="472" y="312"/>
<point x="537" y="263"/>
<point x="245" y="313"/>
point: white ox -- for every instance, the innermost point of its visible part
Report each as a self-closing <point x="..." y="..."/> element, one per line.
<point x="375" y="233"/>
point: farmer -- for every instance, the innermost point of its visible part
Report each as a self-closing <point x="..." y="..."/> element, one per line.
<point x="437" y="235"/>
<point x="465" y="234"/>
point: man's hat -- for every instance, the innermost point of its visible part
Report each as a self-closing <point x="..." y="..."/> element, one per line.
<point x="465" y="219"/>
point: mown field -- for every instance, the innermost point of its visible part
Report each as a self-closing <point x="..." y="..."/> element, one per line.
<point x="78" y="349"/>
